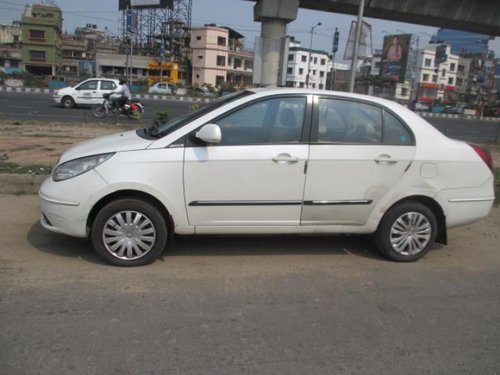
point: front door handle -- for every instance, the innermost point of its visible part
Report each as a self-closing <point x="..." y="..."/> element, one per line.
<point x="385" y="159"/>
<point x="285" y="158"/>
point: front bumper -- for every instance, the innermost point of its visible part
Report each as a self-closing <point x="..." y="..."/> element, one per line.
<point x="66" y="205"/>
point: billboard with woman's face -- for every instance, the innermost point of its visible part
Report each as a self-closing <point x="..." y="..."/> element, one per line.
<point x="395" y="56"/>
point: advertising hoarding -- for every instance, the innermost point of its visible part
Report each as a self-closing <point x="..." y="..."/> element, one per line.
<point x="144" y="4"/>
<point x="365" y="41"/>
<point x="395" y="56"/>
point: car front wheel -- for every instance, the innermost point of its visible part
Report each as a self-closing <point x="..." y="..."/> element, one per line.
<point x="67" y="102"/>
<point x="406" y="232"/>
<point x="129" y="232"/>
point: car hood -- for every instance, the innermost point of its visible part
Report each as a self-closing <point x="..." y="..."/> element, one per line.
<point x="127" y="141"/>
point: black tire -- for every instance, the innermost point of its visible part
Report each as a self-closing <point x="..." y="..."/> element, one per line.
<point x="406" y="232"/>
<point x="99" y="110"/>
<point x="67" y="102"/>
<point x="129" y="232"/>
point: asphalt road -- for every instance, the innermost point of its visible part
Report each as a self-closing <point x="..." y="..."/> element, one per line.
<point x="262" y="305"/>
<point x="23" y="106"/>
<point x="34" y="106"/>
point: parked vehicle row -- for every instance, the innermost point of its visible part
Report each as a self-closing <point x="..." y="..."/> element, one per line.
<point x="271" y="161"/>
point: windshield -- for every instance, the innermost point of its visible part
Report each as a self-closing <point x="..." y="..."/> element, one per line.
<point x="176" y="123"/>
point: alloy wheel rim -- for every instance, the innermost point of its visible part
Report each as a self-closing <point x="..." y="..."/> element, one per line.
<point x="410" y="233"/>
<point x="129" y="235"/>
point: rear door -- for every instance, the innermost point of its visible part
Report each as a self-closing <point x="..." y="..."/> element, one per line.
<point x="105" y="86"/>
<point x="359" y="151"/>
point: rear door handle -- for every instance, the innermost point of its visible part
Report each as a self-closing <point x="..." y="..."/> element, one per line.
<point x="385" y="159"/>
<point x="285" y="158"/>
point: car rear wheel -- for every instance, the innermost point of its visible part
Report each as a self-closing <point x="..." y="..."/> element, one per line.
<point x="406" y="232"/>
<point x="129" y="232"/>
<point x="67" y="102"/>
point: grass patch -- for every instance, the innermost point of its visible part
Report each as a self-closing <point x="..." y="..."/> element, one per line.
<point x="9" y="167"/>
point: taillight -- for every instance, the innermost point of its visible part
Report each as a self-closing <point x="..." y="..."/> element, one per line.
<point x="483" y="154"/>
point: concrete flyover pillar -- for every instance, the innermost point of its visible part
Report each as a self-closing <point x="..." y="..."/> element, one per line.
<point x="274" y="16"/>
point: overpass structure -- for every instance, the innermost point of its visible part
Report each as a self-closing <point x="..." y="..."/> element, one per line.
<point x="480" y="16"/>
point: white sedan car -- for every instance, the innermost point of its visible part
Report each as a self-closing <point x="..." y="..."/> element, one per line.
<point x="271" y="161"/>
<point x="88" y="92"/>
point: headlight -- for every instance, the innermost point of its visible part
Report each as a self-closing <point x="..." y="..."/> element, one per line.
<point x="76" y="167"/>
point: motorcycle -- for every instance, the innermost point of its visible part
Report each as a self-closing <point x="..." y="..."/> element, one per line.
<point x="133" y="109"/>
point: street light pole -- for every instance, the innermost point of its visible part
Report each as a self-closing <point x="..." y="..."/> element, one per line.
<point x="309" y="59"/>
<point x="355" y="52"/>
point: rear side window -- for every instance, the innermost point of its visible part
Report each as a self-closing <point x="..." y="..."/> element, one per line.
<point x="108" y="85"/>
<point x="349" y="122"/>
<point x="395" y="133"/>
<point x="353" y="122"/>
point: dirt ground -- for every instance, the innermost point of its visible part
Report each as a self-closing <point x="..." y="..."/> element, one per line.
<point x="43" y="143"/>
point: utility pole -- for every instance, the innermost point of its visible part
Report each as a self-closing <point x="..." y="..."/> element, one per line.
<point x="335" y="48"/>
<point x="355" y="52"/>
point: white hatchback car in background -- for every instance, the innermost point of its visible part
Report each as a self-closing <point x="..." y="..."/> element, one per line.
<point x="162" y="88"/>
<point x="87" y="93"/>
<point x="271" y="161"/>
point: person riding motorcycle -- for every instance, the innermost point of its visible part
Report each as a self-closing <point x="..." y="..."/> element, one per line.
<point x="120" y="96"/>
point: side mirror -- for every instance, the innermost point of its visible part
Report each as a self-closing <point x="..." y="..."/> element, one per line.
<point x="209" y="133"/>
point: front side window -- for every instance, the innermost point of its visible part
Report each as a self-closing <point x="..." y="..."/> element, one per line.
<point x="276" y="120"/>
<point x="90" y="85"/>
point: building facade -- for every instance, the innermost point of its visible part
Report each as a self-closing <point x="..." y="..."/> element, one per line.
<point x="41" y="39"/>
<point x="307" y="68"/>
<point x="78" y="50"/>
<point x="11" y="60"/>
<point x="219" y="56"/>
<point x="436" y="81"/>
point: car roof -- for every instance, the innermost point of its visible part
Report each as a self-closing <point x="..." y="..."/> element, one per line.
<point x="101" y="78"/>
<point x="272" y="90"/>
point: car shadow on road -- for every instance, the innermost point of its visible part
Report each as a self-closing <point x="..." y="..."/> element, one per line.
<point x="360" y="246"/>
<point x="272" y="245"/>
<point x="62" y="245"/>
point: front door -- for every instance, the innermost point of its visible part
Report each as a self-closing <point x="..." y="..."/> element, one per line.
<point x="86" y="92"/>
<point x="255" y="176"/>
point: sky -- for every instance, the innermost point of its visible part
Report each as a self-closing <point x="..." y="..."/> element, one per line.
<point x="237" y="14"/>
